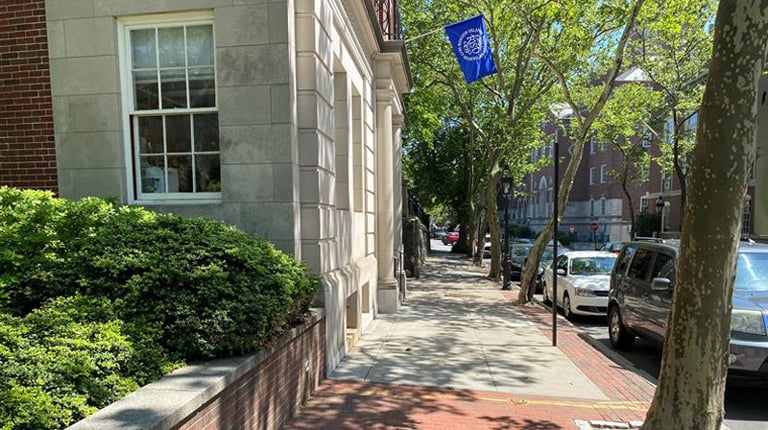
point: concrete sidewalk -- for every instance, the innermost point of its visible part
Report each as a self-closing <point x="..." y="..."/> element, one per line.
<point x="461" y="355"/>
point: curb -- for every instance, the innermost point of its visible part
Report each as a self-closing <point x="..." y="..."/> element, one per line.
<point x="620" y="360"/>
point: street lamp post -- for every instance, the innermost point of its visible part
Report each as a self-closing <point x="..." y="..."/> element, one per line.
<point x="661" y="207"/>
<point x="506" y="191"/>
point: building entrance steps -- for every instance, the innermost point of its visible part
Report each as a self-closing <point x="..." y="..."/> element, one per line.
<point x="461" y="354"/>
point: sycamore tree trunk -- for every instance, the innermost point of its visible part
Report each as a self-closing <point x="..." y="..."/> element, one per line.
<point x="625" y="187"/>
<point x="493" y="226"/>
<point x="695" y="359"/>
<point x="583" y="126"/>
<point x="537" y="251"/>
<point x="477" y="258"/>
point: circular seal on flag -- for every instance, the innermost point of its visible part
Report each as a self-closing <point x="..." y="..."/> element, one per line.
<point x="472" y="46"/>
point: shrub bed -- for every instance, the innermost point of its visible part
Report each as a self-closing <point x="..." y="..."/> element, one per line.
<point x="192" y="288"/>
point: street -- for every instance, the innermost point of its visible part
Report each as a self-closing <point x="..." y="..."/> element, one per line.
<point x="746" y="408"/>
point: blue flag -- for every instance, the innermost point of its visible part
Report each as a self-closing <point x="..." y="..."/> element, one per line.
<point x="472" y="48"/>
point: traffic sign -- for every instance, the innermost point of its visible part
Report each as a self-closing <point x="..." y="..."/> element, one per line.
<point x="593" y="226"/>
<point x="571" y="228"/>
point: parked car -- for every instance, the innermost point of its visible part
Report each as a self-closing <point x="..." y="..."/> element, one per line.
<point x="614" y="247"/>
<point x="487" y="246"/>
<point x="451" y="238"/>
<point x="583" y="282"/>
<point x="518" y="254"/>
<point x="640" y="296"/>
<point x="519" y="257"/>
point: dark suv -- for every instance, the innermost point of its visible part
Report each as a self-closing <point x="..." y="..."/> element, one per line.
<point x="640" y="296"/>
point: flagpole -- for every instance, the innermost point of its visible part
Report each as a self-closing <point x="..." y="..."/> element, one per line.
<point x="423" y="35"/>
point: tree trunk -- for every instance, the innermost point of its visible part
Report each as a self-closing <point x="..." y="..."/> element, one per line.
<point x="537" y="251"/>
<point x="493" y="226"/>
<point x="628" y="195"/>
<point x="679" y="171"/>
<point x="477" y="258"/>
<point x="695" y="359"/>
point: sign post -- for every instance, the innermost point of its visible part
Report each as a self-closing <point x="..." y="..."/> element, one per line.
<point x="593" y="227"/>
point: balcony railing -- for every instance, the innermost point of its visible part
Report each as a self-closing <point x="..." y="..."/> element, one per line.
<point x="389" y="19"/>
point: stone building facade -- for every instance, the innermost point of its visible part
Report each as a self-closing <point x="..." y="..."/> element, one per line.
<point x="281" y="117"/>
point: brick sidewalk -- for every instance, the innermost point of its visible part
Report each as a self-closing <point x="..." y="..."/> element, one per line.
<point x="362" y="405"/>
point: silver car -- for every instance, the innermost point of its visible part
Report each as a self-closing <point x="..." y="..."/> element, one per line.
<point x="642" y="284"/>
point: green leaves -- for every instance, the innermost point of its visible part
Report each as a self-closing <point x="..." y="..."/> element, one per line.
<point x="107" y="298"/>
<point x="63" y="361"/>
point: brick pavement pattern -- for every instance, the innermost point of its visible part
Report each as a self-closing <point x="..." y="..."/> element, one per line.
<point x="346" y="404"/>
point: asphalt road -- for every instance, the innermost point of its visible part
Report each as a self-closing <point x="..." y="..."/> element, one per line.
<point x="746" y="408"/>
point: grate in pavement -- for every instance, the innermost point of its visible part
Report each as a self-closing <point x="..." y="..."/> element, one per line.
<point x="604" y="425"/>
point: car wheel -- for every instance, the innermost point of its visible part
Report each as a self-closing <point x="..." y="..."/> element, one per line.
<point x="567" y="306"/>
<point x="618" y="333"/>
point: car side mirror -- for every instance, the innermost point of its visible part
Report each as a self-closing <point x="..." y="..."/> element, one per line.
<point x="661" y="284"/>
<point x="561" y="272"/>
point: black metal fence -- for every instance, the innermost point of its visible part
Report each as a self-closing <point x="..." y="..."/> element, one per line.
<point x="389" y="18"/>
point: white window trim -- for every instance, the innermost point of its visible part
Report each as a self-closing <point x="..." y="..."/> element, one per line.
<point x="592" y="145"/>
<point x="132" y="169"/>
<point x="591" y="176"/>
<point x="603" y="172"/>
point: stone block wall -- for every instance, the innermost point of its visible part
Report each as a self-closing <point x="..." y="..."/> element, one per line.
<point x="27" y="148"/>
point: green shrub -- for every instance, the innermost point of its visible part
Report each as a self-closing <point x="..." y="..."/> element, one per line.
<point x="67" y="359"/>
<point x="36" y="235"/>
<point x="213" y="289"/>
<point x="200" y="288"/>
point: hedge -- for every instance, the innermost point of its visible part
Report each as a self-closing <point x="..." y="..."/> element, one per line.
<point x="67" y="359"/>
<point x="171" y="287"/>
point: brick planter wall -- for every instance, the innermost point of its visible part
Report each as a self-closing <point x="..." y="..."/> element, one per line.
<point x="259" y="391"/>
<point x="27" y="147"/>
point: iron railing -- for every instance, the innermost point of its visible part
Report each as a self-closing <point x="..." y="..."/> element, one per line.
<point x="389" y="19"/>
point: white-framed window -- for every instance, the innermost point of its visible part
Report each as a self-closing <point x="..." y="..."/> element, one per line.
<point x="168" y="68"/>
<point x="591" y="176"/>
<point x="603" y="209"/>
<point x="603" y="173"/>
<point x="592" y="145"/>
<point x="591" y="207"/>
<point x="643" y="204"/>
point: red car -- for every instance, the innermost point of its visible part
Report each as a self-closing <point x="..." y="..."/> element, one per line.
<point x="451" y="238"/>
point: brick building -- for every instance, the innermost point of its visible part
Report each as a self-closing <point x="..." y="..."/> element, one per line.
<point x="27" y="147"/>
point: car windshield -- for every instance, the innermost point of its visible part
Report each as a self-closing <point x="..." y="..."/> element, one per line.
<point x="520" y="251"/>
<point x="751" y="271"/>
<point x="589" y="266"/>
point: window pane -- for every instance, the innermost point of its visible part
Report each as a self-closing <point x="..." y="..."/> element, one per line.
<point x="152" y="177"/>
<point x="178" y="136"/>
<point x="174" y="88"/>
<point x="208" y="173"/>
<point x="171" y="45"/>
<point x="150" y="135"/>
<point x="145" y="89"/>
<point x="202" y="89"/>
<point x="180" y="174"/>
<point x="200" y="45"/>
<point x="206" y="132"/>
<point x="143" y="44"/>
